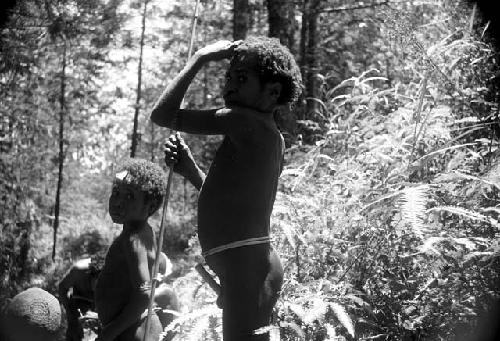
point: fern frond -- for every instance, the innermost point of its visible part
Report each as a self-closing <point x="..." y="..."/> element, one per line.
<point x="359" y="301"/>
<point x="465" y="242"/>
<point x="289" y="233"/>
<point x="475" y="178"/>
<point x="343" y="317"/>
<point x="274" y="332"/>
<point x="199" y="329"/>
<point x="429" y="245"/>
<point x="297" y="309"/>
<point x="316" y="312"/>
<point x="385" y="197"/>
<point x="478" y="254"/>
<point x="211" y="310"/>
<point x="412" y="203"/>
<point x="493" y="175"/>
<point x="427" y="157"/>
<point x="215" y="328"/>
<point x="330" y="332"/>
<point x="293" y="326"/>
<point x="466" y="213"/>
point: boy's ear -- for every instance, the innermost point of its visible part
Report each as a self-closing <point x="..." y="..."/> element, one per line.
<point x="274" y="90"/>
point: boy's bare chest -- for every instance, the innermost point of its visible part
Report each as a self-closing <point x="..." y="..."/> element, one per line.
<point x="237" y="170"/>
<point x="115" y="268"/>
<point x="242" y="155"/>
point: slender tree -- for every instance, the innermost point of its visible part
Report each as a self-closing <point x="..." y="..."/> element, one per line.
<point x="61" y="154"/>
<point x="282" y="24"/>
<point x="135" y="134"/>
<point x="241" y="19"/>
<point x="310" y="57"/>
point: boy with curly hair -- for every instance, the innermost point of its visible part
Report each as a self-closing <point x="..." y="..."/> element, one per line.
<point x="77" y="290"/>
<point x="238" y="193"/>
<point x="123" y="286"/>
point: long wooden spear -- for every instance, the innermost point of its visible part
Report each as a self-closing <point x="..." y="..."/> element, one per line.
<point x="156" y="265"/>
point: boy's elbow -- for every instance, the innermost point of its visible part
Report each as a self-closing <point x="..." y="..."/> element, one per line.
<point x="161" y="118"/>
<point x="155" y="116"/>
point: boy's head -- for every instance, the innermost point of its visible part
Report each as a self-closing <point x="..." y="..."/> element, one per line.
<point x="273" y="63"/>
<point x="138" y="190"/>
<point x="274" y="67"/>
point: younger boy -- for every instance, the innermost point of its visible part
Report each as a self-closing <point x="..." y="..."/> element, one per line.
<point x="237" y="195"/>
<point x="77" y="289"/>
<point x="123" y="286"/>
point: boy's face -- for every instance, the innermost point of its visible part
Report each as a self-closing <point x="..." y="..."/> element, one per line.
<point x="244" y="88"/>
<point x="127" y="204"/>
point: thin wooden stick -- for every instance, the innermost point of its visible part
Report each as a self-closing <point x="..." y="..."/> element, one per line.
<point x="156" y="265"/>
<point x="208" y="278"/>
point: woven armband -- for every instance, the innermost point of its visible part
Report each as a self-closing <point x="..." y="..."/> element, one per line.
<point x="146" y="286"/>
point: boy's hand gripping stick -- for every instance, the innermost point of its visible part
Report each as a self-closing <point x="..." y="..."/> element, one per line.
<point x="156" y="265"/>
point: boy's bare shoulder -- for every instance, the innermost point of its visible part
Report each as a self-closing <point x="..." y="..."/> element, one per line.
<point x="137" y="240"/>
<point x="253" y="122"/>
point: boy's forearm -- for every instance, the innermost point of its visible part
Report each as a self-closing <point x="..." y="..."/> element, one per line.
<point x="196" y="177"/>
<point x="169" y="103"/>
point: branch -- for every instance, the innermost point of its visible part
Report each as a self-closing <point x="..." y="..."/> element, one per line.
<point x="349" y="8"/>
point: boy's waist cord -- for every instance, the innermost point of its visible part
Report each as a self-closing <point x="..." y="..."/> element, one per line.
<point x="239" y="243"/>
<point x="236" y="244"/>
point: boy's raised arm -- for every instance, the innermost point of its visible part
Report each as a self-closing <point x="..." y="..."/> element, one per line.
<point x="167" y="109"/>
<point x="168" y="105"/>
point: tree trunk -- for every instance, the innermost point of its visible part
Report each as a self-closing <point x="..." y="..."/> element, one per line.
<point x="152" y="143"/>
<point x="62" y="109"/>
<point x="135" y="135"/>
<point x="24" y="245"/>
<point x="282" y="23"/>
<point x="303" y="38"/>
<point x="311" y="60"/>
<point x="241" y="19"/>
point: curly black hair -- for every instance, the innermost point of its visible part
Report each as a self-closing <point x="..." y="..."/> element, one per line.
<point x="146" y="176"/>
<point x="97" y="262"/>
<point x="275" y="63"/>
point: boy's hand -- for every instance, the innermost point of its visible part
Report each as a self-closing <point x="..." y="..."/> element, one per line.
<point x="105" y="335"/>
<point x="219" y="50"/>
<point x="177" y="153"/>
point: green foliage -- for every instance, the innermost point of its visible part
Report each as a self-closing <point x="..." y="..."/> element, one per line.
<point x="391" y="215"/>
